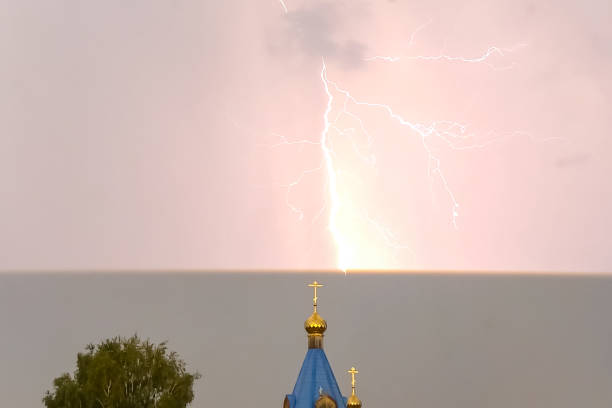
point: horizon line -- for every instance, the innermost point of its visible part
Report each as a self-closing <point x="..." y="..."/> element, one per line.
<point x="282" y="271"/>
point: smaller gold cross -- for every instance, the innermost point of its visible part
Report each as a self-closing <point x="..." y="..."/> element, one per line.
<point x="352" y="372"/>
<point x="315" y="285"/>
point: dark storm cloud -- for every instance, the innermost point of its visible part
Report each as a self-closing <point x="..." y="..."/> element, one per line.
<point x="313" y="30"/>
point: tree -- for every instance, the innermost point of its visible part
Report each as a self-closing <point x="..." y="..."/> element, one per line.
<point x="124" y="373"/>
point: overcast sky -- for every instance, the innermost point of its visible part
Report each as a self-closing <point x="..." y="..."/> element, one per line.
<point x="149" y="134"/>
<point x="426" y="341"/>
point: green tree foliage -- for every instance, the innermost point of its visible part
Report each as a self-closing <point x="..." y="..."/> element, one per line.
<point x="124" y="373"/>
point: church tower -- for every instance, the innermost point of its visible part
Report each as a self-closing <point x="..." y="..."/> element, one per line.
<point x="316" y="386"/>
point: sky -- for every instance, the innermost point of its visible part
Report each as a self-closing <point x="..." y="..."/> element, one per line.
<point x="466" y="341"/>
<point x="311" y="135"/>
<point x="192" y="135"/>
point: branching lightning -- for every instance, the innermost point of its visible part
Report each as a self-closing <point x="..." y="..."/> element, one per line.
<point x="438" y="57"/>
<point x="343" y="213"/>
<point x="346" y="258"/>
<point x="453" y="134"/>
<point x="482" y="58"/>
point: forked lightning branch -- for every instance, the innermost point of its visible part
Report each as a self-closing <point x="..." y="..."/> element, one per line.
<point x="347" y="221"/>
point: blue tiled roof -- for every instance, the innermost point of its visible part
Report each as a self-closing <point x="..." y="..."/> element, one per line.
<point x="315" y="377"/>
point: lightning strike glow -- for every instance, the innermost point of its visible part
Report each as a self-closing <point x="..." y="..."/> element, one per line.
<point x="347" y="257"/>
<point x="453" y="134"/>
<point x="354" y="242"/>
<point x="334" y="198"/>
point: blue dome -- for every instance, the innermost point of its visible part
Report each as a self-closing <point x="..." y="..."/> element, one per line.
<point x="315" y="378"/>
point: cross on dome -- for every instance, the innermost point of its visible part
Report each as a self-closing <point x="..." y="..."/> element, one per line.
<point x="315" y="285"/>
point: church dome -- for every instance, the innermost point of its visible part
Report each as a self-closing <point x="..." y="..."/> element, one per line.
<point x="325" y="401"/>
<point x="315" y="324"/>
<point x="353" y="402"/>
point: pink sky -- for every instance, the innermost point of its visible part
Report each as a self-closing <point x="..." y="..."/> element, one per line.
<point x="146" y="136"/>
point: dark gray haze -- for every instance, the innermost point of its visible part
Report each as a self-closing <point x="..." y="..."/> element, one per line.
<point x="312" y="30"/>
<point x="423" y="341"/>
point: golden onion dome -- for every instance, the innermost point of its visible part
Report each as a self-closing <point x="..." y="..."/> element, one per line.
<point x="325" y="401"/>
<point x="315" y="324"/>
<point x="353" y="402"/>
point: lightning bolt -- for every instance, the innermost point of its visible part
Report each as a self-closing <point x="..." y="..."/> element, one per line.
<point x="344" y="250"/>
<point x="343" y="212"/>
<point x="481" y="58"/>
<point x="453" y="134"/>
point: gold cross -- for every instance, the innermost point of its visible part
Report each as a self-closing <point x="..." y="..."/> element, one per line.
<point x="315" y="285"/>
<point x="352" y="372"/>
